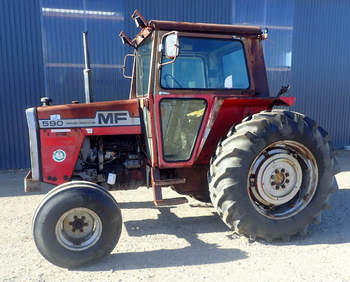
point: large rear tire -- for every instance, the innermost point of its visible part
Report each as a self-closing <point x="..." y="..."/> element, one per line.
<point x="76" y="223"/>
<point x="272" y="176"/>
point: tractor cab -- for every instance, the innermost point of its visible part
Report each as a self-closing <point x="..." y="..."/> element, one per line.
<point x="184" y="74"/>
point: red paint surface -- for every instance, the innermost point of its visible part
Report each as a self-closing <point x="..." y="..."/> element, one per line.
<point x="191" y="161"/>
<point x="232" y="111"/>
<point x="52" y="171"/>
<point x="89" y="110"/>
<point x="71" y="142"/>
<point x="121" y="130"/>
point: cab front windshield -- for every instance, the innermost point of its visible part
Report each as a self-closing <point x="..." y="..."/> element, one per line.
<point x="143" y="62"/>
<point x="205" y="63"/>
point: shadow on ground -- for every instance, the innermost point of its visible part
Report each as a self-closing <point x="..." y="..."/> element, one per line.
<point x="343" y="160"/>
<point x="198" y="253"/>
<point x="333" y="229"/>
<point x="12" y="184"/>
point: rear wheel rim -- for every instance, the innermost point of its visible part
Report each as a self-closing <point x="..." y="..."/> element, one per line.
<point x="282" y="179"/>
<point x="78" y="229"/>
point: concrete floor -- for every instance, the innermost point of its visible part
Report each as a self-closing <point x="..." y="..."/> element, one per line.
<point x="188" y="242"/>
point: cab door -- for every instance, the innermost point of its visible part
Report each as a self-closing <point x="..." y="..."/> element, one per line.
<point x="194" y="70"/>
<point x="171" y="122"/>
<point x="180" y="121"/>
<point x="180" y="118"/>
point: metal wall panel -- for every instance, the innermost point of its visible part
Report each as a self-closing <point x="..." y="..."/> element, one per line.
<point x="21" y="77"/>
<point x="63" y="22"/>
<point x="307" y="47"/>
<point x="277" y="16"/>
<point x="321" y="64"/>
<point x="207" y="11"/>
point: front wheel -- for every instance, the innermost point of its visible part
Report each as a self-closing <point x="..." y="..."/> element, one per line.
<point x="273" y="175"/>
<point x="76" y="223"/>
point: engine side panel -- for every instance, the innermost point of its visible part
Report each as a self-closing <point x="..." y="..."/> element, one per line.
<point x="59" y="153"/>
<point x="63" y="129"/>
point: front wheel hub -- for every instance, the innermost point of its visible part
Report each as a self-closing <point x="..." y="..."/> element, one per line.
<point x="78" y="229"/>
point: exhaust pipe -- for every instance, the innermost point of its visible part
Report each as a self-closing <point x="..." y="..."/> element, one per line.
<point x="89" y="97"/>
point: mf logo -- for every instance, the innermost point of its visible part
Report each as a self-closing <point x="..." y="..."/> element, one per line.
<point x="111" y="117"/>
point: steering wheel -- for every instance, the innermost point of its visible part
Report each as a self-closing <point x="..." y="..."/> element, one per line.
<point x="168" y="75"/>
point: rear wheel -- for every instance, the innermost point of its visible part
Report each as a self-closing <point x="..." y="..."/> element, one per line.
<point x="273" y="175"/>
<point x="76" y="223"/>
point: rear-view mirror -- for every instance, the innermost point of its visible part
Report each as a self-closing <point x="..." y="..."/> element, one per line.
<point x="125" y="65"/>
<point x="172" y="45"/>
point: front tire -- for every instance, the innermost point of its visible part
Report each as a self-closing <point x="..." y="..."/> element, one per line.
<point x="77" y="223"/>
<point x="273" y="175"/>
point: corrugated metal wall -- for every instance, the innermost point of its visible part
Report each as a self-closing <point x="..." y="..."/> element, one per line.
<point x="277" y="16"/>
<point x="63" y="22"/>
<point x="21" y="77"/>
<point x="41" y="54"/>
<point x="321" y="64"/>
<point x="181" y="10"/>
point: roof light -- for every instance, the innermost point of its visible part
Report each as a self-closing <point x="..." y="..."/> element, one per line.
<point x="264" y="34"/>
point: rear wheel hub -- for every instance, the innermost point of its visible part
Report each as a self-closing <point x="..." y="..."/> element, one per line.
<point x="282" y="179"/>
<point x="278" y="179"/>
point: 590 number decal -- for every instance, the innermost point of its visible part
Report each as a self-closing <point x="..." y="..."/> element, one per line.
<point x="51" y="123"/>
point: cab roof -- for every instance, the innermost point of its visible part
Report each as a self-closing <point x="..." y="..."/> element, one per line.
<point x="241" y="30"/>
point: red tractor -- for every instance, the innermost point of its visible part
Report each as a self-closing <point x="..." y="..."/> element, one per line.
<point x="199" y="119"/>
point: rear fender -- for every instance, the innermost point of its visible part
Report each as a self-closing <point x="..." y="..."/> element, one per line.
<point x="266" y="103"/>
<point x="233" y="111"/>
